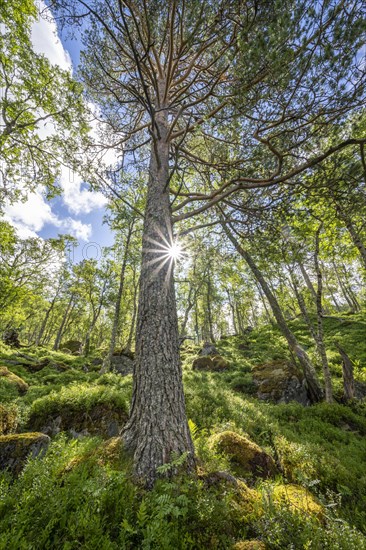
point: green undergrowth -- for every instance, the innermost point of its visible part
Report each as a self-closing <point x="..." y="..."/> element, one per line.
<point x="82" y="493"/>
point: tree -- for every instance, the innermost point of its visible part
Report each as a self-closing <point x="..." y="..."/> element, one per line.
<point x="231" y="88"/>
<point x="33" y="94"/>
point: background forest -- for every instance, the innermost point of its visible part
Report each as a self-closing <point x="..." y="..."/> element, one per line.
<point x="200" y="382"/>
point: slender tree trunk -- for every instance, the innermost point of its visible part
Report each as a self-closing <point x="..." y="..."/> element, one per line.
<point x="347" y="370"/>
<point x="133" y="321"/>
<point x="319" y="313"/>
<point x="63" y="322"/>
<point x="302" y="305"/>
<point x="263" y="300"/>
<point x="239" y="317"/>
<point x="232" y="307"/>
<point x="351" y="294"/>
<point x="44" y="322"/>
<point x="190" y="304"/>
<point x="343" y="288"/>
<point x="307" y="280"/>
<point x="357" y="241"/>
<point x="314" y="388"/>
<point x="157" y="430"/>
<point x="209" y="309"/>
<point x="117" y="309"/>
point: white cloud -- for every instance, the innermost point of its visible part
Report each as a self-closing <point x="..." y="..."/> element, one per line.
<point x="31" y="216"/>
<point x="45" y="39"/>
<point x="76" y="199"/>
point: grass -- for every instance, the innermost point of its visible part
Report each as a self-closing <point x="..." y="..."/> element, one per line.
<point x="81" y="495"/>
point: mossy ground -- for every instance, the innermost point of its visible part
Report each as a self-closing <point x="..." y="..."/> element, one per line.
<point x="81" y="494"/>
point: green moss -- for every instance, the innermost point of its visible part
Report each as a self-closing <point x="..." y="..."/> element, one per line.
<point x="298" y="499"/>
<point x="21" y="386"/>
<point x="249" y="545"/>
<point x="8" y="419"/>
<point x="244" y="453"/>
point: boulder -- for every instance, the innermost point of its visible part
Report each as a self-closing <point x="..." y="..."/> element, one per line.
<point x="16" y="448"/>
<point x="207" y="363"/>
<point x="11" y="338"/>
<point x="21" y="386"/>
<point x="102" y="419"/>
<point x="122" y="364"/>
<point x="280" y="382"/>
<point x="202" y="363"/>
<point x="73" y="345"/>
<point x="219" y="363"/>
<point x="208" y="349"/>
<point x="245" y="456"/>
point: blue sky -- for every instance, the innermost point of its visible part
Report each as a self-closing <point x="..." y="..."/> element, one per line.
<point x="77" y="211"/>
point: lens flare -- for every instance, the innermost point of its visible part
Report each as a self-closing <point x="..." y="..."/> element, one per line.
<point x="175" y="251"/>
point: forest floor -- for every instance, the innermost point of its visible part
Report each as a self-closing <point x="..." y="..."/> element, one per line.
<point x="81" y="493"/>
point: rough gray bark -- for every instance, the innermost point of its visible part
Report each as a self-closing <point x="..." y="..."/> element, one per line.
<point x="157" y="430"/>
<point x="314" y="388"/>
<point x="319" y="312"/>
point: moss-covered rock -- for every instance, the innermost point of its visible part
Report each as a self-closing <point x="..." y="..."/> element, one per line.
<point x="249" y="545"/>
<point x="245" y="456"/>
<point x="16" y="448"/>
<point x="281" y="382"/>
<point x="219" y="363"/>
<point x="12" y="378"/>
<point x="298" y="499"/>
<point x="208" y="363"/>
<point x="73" y="345"/>
<point x="80" y="410"/>
<point x="202" y="363"/>
<point x="8" y="419"/>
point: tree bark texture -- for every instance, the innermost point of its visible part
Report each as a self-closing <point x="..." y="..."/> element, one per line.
<point x="157" y="430"/>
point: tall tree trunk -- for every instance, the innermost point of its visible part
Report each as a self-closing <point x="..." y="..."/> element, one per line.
<point x="63" y="322"/>
<point x="314" y="388"/>
<point x="319" y="313"/>
<point x="157" y="430"/>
